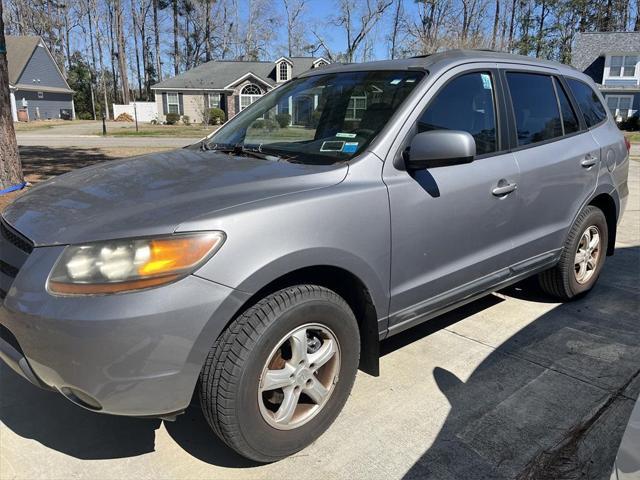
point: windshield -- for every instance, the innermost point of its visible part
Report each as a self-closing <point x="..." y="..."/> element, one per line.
<point x="320" y="119"/>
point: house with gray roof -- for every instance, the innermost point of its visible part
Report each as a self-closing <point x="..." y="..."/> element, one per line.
<point x="37" y="88"/>
<point x="231" y="86"/>
<point x="612" y="60"/>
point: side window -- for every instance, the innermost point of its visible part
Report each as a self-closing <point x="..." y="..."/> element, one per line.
<point x="466" y="103"/>
<point x="535" y="107"/>
<point x="569" y="118"/>
<point x="592" y="109"/>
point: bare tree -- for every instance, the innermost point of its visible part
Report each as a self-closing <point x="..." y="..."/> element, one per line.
<point x="357" y="20"/>
<point x="122" y="54"/>
<point x="294" y="10"/>
<point x="10" y="166"/>
<point x="395" y="26"/>
<point x="176" y="46"/>
<point x="496" y="20"/>
<point x="156" y="33"/>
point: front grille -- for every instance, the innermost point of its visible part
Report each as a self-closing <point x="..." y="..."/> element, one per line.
<point x="15" y="238"/>
<point x="8" y="269"/>
<point x="14" y="251"/>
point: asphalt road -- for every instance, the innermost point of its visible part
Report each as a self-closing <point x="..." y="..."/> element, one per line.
<point x="510" y="386"/>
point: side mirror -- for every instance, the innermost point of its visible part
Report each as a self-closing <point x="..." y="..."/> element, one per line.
<point x="440" y="148"/>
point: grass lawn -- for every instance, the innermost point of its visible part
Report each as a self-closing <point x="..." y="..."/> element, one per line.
<point x="148" y="130"/>
<point x="633" y="137"/>
<point x="39" y="125"/>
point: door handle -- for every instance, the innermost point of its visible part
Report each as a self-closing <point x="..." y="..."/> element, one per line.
<point x="504" y="188"/>
<point x="589" y="161"/>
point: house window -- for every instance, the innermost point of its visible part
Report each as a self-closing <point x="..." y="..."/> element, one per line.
<point x="357" y="105"/>
<point x="284" y="71"/>
<point x="623" y="66"/>
<point x="214" y="100"/>
<point x="41" y="95"/>
<point x="249" y="94"/>
<point x="620" y="105"/>
<point x="320" y="63"/>
<point x="172" y="103"/>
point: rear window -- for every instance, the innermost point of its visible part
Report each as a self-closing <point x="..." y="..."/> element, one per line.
<point x="592" y="109"/>
<point x="535" y="107"/>
<point x="569" y="118"/>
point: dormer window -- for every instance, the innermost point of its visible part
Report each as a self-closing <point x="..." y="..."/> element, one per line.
<point x="283" y="70"/>
<point x="623" y="65"/>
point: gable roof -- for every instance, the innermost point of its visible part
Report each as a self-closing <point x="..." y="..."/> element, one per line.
<point x="19" y="51"/>
<point x="589" y="46"/>
<point x="220" y="74"/>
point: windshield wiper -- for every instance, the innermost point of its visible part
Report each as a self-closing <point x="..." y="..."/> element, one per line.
<point x="240" y="150"/>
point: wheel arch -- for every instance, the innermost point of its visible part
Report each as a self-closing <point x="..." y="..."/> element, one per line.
<point x="350" y="287"/>
<point x="609" y="206"/>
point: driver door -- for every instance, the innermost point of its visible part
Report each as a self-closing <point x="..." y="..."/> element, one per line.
<point x="451" y="230"/>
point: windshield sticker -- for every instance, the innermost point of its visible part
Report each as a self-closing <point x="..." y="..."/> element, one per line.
<point x="345" y="135"/>
<point x="331" y="146"/>
<point x="486" y="81"/>
<point x="396" y="81"/>
<point x="350" y="147"/>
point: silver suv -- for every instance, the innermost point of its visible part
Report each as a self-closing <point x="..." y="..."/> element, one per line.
<point x="258" y="269"/>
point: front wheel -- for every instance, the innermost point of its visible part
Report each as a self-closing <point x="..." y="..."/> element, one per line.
<point x="582" y="258"/>
<point x="281" y="372"/>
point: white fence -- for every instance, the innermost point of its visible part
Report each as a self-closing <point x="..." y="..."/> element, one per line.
<point x="146" y="111"/>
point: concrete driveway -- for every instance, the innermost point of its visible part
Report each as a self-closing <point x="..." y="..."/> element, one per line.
<point x="510" y="386"/>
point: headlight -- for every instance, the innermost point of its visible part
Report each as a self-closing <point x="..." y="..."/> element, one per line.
<point x="132" y="264"/>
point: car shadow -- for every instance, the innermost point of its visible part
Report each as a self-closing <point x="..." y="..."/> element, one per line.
<point x="500" y="417"/>
<point x="553" y="400"/>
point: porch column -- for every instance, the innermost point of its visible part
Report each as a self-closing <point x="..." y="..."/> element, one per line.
<point x="14" y="112"/>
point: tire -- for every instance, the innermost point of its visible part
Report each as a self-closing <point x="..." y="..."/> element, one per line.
<point x="234" y="374"/>
<point x="562" y="281"/>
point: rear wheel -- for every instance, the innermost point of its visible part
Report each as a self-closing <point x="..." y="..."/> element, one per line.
<point x="281" y="372"/>
<point x="582" y="258"/>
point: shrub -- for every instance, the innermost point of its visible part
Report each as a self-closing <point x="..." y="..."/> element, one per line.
<point x="172" y="118"/>
<point x="186" y="120"/>
<point x="124" y="117"/>
<point x="84" y="116"/>
<point x="216" y="116"/>
<point x="259" y="123"/>
<point x="631" y="124"/>
<point x="283" y="119"/>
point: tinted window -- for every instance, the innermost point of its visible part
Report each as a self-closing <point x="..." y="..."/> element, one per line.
<point x="535" y="107"/>
<point x="592" y="110"/>
<point x="569" y="119"/>
<point x="465" y="103"/>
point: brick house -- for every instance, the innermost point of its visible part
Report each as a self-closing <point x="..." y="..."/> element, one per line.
<point x="229" y="85"/>
<point x="612" y="60"/>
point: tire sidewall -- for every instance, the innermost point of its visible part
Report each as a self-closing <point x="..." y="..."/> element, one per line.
<point x="596" y="218"/>
<point x="267" y="441"/>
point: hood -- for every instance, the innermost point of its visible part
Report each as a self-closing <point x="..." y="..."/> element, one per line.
<point x="153" y="194"/>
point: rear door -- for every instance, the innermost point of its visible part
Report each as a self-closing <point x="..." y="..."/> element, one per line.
<point x="557" y="158"/>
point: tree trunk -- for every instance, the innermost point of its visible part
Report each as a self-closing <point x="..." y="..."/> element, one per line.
<point x="176" y="47"/>
<point x="496" y="19"/>
<point x="10" y="166"/>
<point x="156" y="32"/>
<point x="543" y="14"/>
<point x="636" y="27"/>
<point x="394" y="32"/>
<point x="512" y="24"/>
<point x="93" y="59"/>
<point x="207" y="33"/>
<point x="134" y="19"/>
<point x="122" y="54"/>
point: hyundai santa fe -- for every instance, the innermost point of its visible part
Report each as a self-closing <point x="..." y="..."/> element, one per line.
<point x="258" y="269"/>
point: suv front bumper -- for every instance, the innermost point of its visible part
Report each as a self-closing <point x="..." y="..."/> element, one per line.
<point x="137" y="353"/>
